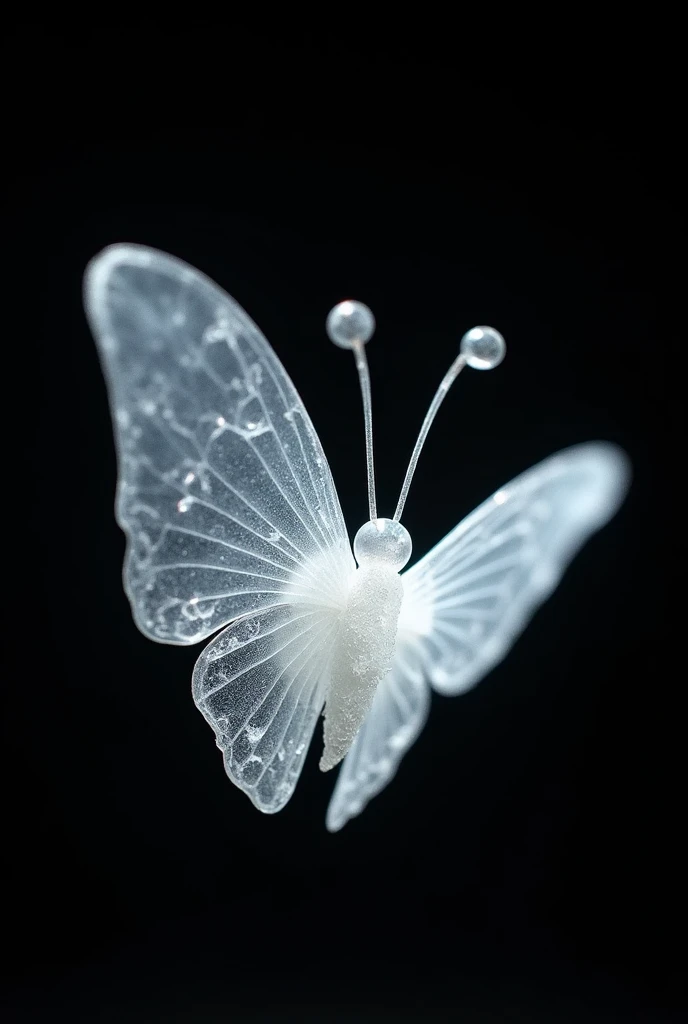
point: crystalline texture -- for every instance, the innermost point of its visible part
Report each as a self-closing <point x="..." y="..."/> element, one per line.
<point x="363" y="656"/>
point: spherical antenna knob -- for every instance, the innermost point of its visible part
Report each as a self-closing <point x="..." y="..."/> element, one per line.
<point x="350" y="323"/>
<point x="383" y="541"/>
<point x="483" y="347"/>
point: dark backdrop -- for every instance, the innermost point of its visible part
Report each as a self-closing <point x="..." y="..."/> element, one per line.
<point x="524" y="863"/>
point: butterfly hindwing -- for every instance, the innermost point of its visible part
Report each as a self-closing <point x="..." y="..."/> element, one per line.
<point x="261" y="685"/>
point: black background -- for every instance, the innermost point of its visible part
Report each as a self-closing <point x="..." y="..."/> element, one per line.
<point x="524" y="865"/>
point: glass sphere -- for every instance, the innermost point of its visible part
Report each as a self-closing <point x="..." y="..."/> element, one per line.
<point x="383" y="541"/>
<point x="483" y="347"/>
<point x="349" y="323"/>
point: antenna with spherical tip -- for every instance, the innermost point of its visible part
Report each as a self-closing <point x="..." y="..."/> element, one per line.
<point x="482" y="348"/>
<point x="351" y="325"/>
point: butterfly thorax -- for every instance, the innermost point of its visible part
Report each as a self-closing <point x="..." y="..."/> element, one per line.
<point x="363" y="654"/>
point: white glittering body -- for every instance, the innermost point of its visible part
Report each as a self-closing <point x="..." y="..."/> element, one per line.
<point x="362" y="656"/>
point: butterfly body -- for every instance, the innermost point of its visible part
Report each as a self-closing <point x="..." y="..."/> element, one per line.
<point x="364" y="652"/>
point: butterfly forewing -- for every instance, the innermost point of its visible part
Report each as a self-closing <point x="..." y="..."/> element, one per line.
<point x="484" y="581"/>
<point x="224" y="492"/>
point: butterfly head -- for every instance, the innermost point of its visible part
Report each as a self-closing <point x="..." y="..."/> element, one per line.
<point x="383" y="541"/>
<point x="351" y="325"/>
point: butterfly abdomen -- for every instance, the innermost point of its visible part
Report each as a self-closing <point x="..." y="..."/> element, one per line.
<point x="364" y="650"/>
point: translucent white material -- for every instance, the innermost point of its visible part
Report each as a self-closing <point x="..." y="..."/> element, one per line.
<point x="483" y="347"/>
<point x="396" y="718"/>
<point x="467" y="601"/>
<point x="487" y="577"/>
<point x="363" y="655"/>
<point x="261" y="685"/>
<point x="383" y="540"/>
<point x="350" y="323"/>
<point x="233" y="524"/>
<point x="224" y="491"/>
<point x="439" y="396"/>
<point x="228" y="505"/>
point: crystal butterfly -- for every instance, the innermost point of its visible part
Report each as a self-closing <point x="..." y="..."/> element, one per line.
<point x="233" y="524"/>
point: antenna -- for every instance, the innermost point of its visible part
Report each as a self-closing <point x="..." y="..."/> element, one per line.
<point x="351" y="324"/>
<point x="483" y="348"/>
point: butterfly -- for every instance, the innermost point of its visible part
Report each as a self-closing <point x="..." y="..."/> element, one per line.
<point x="234" y="528"/>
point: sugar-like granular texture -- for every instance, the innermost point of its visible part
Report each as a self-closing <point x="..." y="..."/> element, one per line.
<point x="363" y="656"/>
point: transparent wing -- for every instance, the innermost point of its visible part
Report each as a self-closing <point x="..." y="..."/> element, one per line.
<point x="467" y="601"/>
<point x="398" y="714"/>
<point x="261" y="684"/>
<point x="224" y="491"/>
<point x="473" y="594"/>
